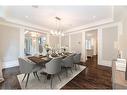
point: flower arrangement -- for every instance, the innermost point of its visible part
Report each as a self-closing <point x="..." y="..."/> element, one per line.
<point x="47" y="47"/>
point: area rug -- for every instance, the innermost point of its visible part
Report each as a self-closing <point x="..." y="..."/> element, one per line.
<point x="33" y="83"/>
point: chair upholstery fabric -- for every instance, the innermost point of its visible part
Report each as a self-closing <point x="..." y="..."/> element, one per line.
<point x="28" y="66"/>
<point x="77" y="58"/>
<point x="54" y="66"/>
<point x="68" y="61"/>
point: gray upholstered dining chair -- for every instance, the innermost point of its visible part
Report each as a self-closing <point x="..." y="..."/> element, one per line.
<point x="53" y="67"/>
<point x="27" y="67"/>
<point x="68" y="62"/>
<point x="76" y="59"/>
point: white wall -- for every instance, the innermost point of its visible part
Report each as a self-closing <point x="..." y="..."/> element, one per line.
<point x="109" y="39"/>
<point x="115" y="30"/>
<point x="120" y="14"/>
<point x="9" y="45"/>
<point x="65" y="41"/>
<point x="12" y="42"/>
<point x="54" y="41"/>
<point x="76" y="42"/>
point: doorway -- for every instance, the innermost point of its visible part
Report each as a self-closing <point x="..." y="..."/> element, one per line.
<point x="32" y="42"/>
<point x="91" y="43"/>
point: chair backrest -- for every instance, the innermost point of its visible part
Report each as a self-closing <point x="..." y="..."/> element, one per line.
<point x="25" y="66"/>
<point x="54" y="66"/>
<point x="77" y="58"/>
<point x="68" y="61"/>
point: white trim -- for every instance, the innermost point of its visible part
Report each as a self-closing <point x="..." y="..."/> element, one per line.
<point x="97" y="27"/>
<point x="24" y="23"/>
<point x="110" y="25"/>
<point x="60" y="44"/>
<point x="9" y="64"/>
<point x="69" y="42"/>
<point x="112" y="12"/>
<point x="33" y="28"/>
<point x="104" y="21"/>
<point x="99" y="33"/>
<point x="83" y="57"/>
<point x="119" y="30"/>
<point x="106" y="63"/>
<point x="22" y="37"/>
<point x="48" y="37"/>
<point x="76" y="32"/>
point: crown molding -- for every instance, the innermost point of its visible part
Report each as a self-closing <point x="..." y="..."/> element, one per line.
<point x="97" y="23"/>
<point x="4" y="18"/>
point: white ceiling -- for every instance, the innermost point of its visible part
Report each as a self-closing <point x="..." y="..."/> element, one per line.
<point x="72" y="16"/>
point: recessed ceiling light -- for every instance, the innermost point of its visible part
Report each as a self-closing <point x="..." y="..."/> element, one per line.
<point x="94" y="17"/>
<point x="35" y="6"/>
<point x="26" y="16"/>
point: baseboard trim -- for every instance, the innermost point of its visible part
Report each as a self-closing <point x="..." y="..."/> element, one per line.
<point x="9" y="64"/>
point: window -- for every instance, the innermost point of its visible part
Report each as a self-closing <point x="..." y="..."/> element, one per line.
<point x="88" y="44"/>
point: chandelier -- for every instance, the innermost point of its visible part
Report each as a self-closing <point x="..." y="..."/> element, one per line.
<point x="57" y="31"/>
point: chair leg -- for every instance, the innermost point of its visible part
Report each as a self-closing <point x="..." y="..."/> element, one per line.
<point x="78" y="66"/>
<point x="51" y="81"/>
<point x="37" y="76"/>
<point x="27" y="80"/>
<point x="45" y="78"/>
<point x="75" y="67"/>
<point x="58" y="77"/>
<point x="34" y="74"/>
<point x="71" y="71"/>
<point x="66" y="72"/>
<point x="24" y="77"/>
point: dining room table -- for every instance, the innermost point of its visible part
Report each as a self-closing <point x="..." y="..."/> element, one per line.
<point x="39" y="60"/>
<point x="42" y="60"/>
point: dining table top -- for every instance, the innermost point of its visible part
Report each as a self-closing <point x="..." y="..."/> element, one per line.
<point x="43" y="59"/>
<point x="39" y="59"/>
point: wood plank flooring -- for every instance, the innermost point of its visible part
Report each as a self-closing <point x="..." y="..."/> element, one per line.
<point x="94" y="77"/>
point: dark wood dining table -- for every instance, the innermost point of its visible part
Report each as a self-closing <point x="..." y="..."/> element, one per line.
<point x="42" y="60"/>
<point x="39" y="60"/>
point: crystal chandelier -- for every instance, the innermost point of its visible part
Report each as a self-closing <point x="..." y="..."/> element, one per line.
<point x="57" y="31"/>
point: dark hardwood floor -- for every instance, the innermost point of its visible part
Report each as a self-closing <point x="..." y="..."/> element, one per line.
<point x="94" y="77"/>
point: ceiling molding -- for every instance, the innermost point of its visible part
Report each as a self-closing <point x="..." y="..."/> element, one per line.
<point x="97" y="23"/>
<point x="23" y="23"/>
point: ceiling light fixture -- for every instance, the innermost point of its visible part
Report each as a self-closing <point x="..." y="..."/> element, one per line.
<point x="94" y="17"/>
<point x="35" y="6"/>
<point x="26" y="32"/>
<point x="26" y="16"/>
<point x="57" y="31"/>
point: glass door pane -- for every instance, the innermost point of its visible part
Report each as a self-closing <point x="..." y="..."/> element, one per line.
<point x="32" y="42"/>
